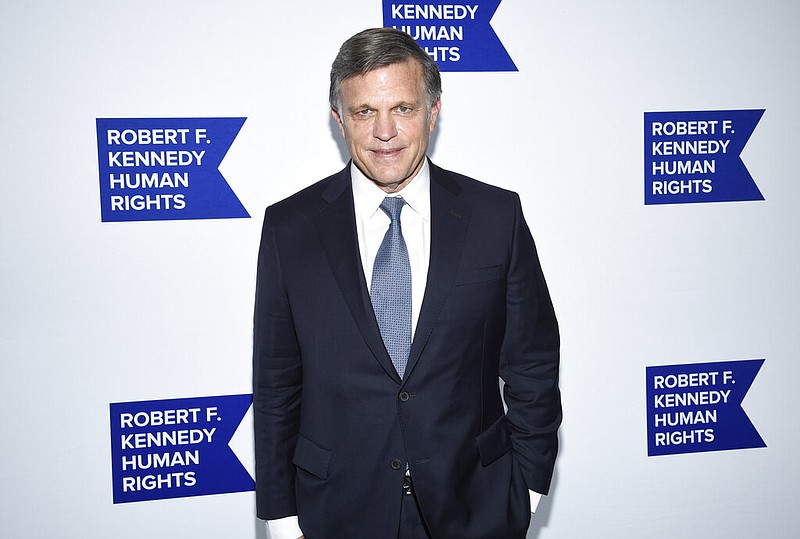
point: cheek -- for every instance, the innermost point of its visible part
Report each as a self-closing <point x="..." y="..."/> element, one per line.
<point x="357" y="135"/>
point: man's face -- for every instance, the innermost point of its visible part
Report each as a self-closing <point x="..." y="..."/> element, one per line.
<point x="383" y="116"/>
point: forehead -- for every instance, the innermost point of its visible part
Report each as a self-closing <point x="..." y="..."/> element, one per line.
<point x="396" y="81"/>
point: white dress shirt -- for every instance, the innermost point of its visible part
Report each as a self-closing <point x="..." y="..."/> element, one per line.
<point x="371" y="225"/>
<point x="415" y="222"/>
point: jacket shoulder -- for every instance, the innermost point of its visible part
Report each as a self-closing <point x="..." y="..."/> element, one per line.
<point x="309" y="200"/>
<point x="472" y="189"/>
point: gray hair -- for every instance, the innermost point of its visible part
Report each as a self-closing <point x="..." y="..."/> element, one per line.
<point x="381" y="47"/>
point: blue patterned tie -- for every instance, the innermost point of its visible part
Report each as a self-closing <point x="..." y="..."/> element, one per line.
<point x="390" y="289"/>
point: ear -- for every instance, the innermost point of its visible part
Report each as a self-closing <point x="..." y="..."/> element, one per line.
<point x="434" y="115"/>
<point x="339" y="121"/>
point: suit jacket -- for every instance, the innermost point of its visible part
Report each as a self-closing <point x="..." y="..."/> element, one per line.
<point x="335" y="426"/>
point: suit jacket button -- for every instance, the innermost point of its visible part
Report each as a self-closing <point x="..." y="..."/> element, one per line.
<point x="396" y="464"/>
<point x="404" y="396"/>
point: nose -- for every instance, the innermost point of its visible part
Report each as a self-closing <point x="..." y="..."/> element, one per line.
<point x="385" y="127"/>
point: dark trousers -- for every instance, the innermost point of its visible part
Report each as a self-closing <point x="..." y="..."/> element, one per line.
<point x="411" y="524"/>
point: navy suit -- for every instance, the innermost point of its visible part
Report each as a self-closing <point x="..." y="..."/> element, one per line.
<point x="335" y="425"/>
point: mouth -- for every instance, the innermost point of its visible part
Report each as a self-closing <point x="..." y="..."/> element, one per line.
<point x="387" y="153"/>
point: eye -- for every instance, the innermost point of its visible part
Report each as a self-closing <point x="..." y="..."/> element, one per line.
<point x="364" y="112"/>
<point x="402" y="109"/>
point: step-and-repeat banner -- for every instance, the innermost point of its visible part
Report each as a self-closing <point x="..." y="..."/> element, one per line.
<point x="653" y="148"/>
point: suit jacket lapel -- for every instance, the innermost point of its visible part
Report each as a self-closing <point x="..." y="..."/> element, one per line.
<point x="449" y="221"/>
<point x="336" y="228"/>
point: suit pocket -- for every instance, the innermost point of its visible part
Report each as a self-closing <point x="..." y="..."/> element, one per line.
<point x="312" y="458"/>
<point x="480" y="275"/>
<point x="494" y="442"/>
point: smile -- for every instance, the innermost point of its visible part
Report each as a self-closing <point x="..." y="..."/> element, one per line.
<point x="387" y="154"/>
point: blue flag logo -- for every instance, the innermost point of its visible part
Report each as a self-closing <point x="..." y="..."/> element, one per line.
<point x="457" y="35"/>
<point x="154" y="169"/>
<point x="694" y="157"/>
<point x="177" y="448"/>
<point x="698" y="407"/>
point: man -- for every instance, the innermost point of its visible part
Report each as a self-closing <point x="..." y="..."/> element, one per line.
<point x="390" y="299"/>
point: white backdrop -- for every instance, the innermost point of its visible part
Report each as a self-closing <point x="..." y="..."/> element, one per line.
<point x="93" y="313"/>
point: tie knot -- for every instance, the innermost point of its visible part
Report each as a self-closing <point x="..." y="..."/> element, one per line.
<point x="392" y="207"/>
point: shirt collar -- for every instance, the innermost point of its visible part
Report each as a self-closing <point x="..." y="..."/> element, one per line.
<point x="368" y="197"/>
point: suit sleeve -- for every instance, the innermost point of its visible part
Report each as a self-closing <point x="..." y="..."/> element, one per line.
<point x="530" y="361"/>
<point x="277" y="376"/>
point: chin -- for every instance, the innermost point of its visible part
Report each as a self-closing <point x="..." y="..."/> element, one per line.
<point x="388" y="179"/>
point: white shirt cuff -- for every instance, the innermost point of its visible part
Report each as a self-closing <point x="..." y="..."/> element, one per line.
<point x="535" y="498"/>
<point x="284" y="528"/>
